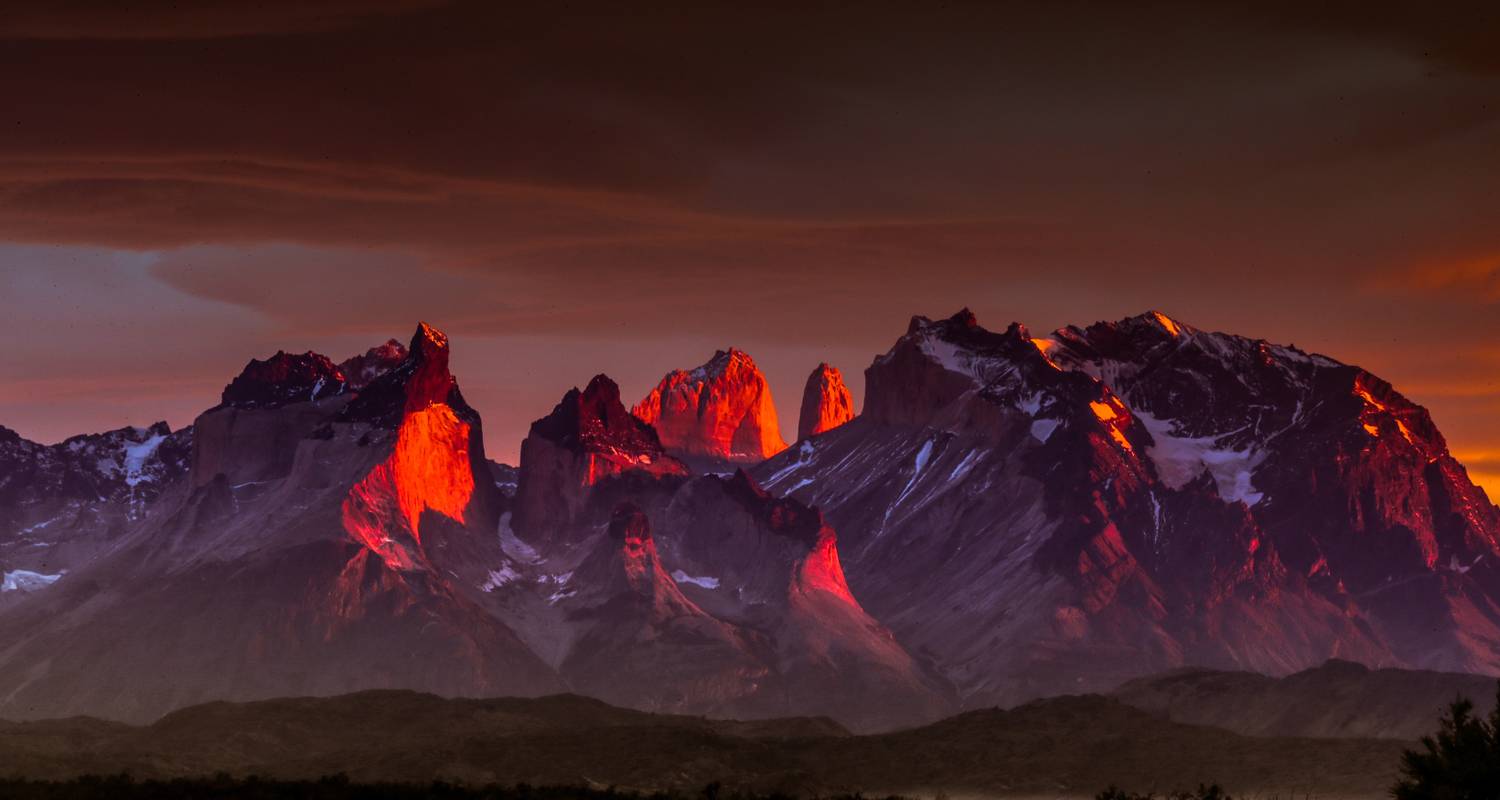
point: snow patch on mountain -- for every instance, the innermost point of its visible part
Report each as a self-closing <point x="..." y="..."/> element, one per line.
<point x="23" y="580"/>
<point x="512" y="545"/>
<point x="499" y="578"/>
<point x="682" y="577"/>
<point x="1181" y="459"/>
<point x="804" y="457"/>
<point x="918" y="465"/>
<point x="135" y="457"/>
<point x="38" y="526"/>
<point x="1042" y="429"/>
<point x="983" y="370"/>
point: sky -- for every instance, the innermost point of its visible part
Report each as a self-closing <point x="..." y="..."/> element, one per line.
<point x="611" y="188"/>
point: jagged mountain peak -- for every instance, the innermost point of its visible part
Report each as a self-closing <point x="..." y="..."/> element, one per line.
<point x="587" y="439"/>
<point x="287" y="378"/>
<point x="826" y="402"/>
<point x="964" y="331"/>
<point x="719" y="412"/>
<point x="429" y="342"/>
<point x="936" y="373"/>
<point x="361" y="369"/>
<point x="725" y="360"/>
<point x="1153" y="335"/>
<point x="282" y="379"/>
<point x="435" y="456"/>
<point x="595" y="420"/>
<point x="420" y="381"/>
<point x="964" y="318"/>
<point x="1158" y="321"/>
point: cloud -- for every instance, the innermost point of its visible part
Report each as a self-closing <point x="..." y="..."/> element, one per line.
<point x="1474" y="279"/>
<point x="1483" y="466"/>
<point x="200" y="19"/>
<point x="795" y="178"/>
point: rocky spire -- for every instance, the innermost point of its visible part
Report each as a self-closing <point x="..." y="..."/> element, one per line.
<point x="421" y="380"/>
<point x="722" y="411"/>
<point x="431" y="467"/>
<point x="826" y="402"/>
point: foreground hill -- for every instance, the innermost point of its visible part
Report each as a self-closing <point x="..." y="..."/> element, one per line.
<point x="1063" y="747"/>
<point x="1338" y="699"/>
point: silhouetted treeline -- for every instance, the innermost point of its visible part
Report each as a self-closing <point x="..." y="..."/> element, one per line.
<point x="339" y="787"/>
<point x="1204" y="793"/>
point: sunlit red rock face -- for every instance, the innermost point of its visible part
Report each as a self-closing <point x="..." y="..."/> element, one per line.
<point x="1141" y="495"/>
<point x="588" y="438"/>
<point x="720" y="412"/>
<point x="430" y="467"/>
<point x="826" y="402"/>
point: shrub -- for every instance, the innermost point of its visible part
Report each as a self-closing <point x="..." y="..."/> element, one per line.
<point x="1460" y="762"/>
<point x="1213" y="792"/>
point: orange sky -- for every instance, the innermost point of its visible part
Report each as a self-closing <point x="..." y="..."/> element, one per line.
<point x="626" y="191"/>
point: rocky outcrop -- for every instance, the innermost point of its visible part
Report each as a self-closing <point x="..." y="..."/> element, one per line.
<point x="721" y="412"/>
<point x="272" y="405"/>
<point x="359" y="371"/>
<point x="252" y="446"/>
<point x="282" y="379"/>
<point x="589" y="438"/>
<point x="826" y="402"/>
<point x="646" y="645"/>
<point x="772" y="564"/>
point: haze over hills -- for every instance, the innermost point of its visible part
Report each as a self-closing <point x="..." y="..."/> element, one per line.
<point x="1064" y="747"/>
<point x="1008" y="517"/>
<point x="1339" y="699"/>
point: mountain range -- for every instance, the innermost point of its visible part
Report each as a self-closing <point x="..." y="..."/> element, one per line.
<point x="1006" y="517"/>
